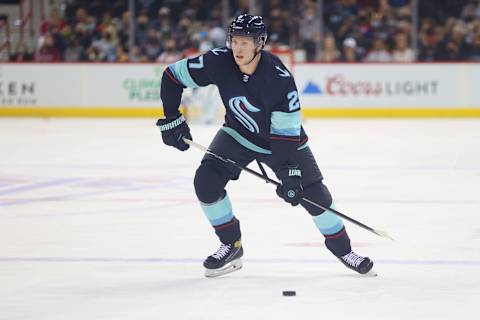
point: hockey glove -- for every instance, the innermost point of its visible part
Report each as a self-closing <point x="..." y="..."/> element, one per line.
<point x="291" y="189"/>
<point x="173" y="131"/>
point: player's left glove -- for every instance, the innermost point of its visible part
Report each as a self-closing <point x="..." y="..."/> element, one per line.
<point x="173" y="131"/>
<point x="291" y="189"/>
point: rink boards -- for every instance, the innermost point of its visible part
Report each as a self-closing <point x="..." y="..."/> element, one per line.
<point x="326" y="90"/>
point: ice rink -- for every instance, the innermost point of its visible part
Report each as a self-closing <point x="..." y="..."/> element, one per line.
<point x="99" y="220"/>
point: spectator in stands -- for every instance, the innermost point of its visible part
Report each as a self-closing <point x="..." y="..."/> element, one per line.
<point x="217" y="36"/>
<point x="350" y="51"/>
<point x="105" y="23"/>
<point x="474" y="53"/>
<point x="171" y="53"/>
<point x="54" y="24"/>
<point x="74" y="49"/>
<point x="136" y="55"/>
<point x="163" y="23"/>
<point x="186" y="30"/>
<point x="402" y="52"/>
<point x="278" y="28"/>
<point x="205" y="44"/>
<point x="22" y="54"/>
<point x="448" y="31"/>
<point x="453" y="46"/>
<point x="107" y="45"/>
<point x="428" y="40"/>
<point x="309" y="33"/>
<point x="91" y="54"/>
<point x="152" y="46"/>
<point x="379" y="52"/>
<point x="123" y="29"/>
<point x="329" y="52"/>
<point x="122" y="54"/>
<point x="81" y="16"/>
<point x="47" y="51"/>
<point x="141" y="28"/>
<point x="337" y="13"/>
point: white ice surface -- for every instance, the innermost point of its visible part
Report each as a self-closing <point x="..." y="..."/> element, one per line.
<point x="99" y="220"/>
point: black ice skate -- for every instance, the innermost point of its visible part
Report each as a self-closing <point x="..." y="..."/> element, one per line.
<point x="362" y="265"/>
<point x="225" y="260"/>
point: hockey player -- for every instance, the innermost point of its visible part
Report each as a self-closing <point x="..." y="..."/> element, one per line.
<point x="262" y="123"/>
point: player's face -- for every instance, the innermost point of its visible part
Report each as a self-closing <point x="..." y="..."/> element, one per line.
<point x="243" y="49"/>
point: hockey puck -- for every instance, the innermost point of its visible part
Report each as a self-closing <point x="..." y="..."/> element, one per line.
<point x="289" y="293"/>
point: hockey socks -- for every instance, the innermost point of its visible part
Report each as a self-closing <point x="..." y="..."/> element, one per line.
<point x="221" y="217"/>
<point x="336" y="237"/>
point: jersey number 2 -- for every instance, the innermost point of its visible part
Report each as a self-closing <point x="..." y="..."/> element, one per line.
<point x="293" y="103"/>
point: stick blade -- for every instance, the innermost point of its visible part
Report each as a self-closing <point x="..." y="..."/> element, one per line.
<point x="383" y="234"/>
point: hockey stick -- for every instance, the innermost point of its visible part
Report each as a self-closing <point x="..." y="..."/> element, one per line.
<point x="276" y="183"/>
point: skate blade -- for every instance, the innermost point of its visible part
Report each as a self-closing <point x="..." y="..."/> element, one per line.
<point x="371" y="273"/>
<point x="232" y="266"/>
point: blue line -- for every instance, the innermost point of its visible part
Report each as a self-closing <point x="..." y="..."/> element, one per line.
<point x="110" y="211"/>
<point x="40" y="185"/>
<point x="89" y="193"/>
<point x="153" y="260"/>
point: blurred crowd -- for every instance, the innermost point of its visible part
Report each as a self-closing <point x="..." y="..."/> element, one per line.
<point x="348" y="31"/>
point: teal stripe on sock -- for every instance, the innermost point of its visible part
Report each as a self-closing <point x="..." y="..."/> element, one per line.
<point x="219" y="212"/>
<point x="328" y="223"/>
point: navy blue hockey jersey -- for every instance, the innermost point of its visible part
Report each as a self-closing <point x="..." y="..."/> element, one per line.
<point x="262" y="109"/>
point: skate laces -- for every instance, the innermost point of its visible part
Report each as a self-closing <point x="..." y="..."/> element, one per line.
<point x="353" y="259"/>
<point x="222" y="251"/>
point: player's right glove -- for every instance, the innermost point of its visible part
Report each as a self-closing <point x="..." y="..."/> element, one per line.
<point x="173" y="131"/>
<point x="291" y="189"/>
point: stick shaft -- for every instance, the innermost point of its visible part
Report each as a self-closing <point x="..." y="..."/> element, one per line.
<point x="276" y="183"/>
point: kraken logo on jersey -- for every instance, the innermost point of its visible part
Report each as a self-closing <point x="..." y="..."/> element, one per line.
<point x="239" y="106"/>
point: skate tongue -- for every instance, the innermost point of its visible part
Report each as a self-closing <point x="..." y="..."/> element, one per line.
<point x="353" y="259"/>
<point x="222" y="251"/>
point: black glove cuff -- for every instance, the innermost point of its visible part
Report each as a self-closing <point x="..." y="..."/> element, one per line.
<point x="165" y="124"/>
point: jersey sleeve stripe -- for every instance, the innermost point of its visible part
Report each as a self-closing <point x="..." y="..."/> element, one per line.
<point x="285" y="123"/>
<point x="181" y="73"/>
<point x="291" y="132"/>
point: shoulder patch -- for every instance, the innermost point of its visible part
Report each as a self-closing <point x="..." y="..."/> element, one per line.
<point x="283" y="72"/>
<point x="217" y="51"/>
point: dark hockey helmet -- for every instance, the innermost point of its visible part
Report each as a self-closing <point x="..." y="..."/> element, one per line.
<point x="248" y="26"/>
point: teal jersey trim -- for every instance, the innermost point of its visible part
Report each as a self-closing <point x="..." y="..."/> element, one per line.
<point x="328" y="223"/>
<point x="250" y="146"/>
<point x="180" y="72"/>
<point x="244" y="142"/>
<point x="286" y="124"/>
<point x="219" y="212"/>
